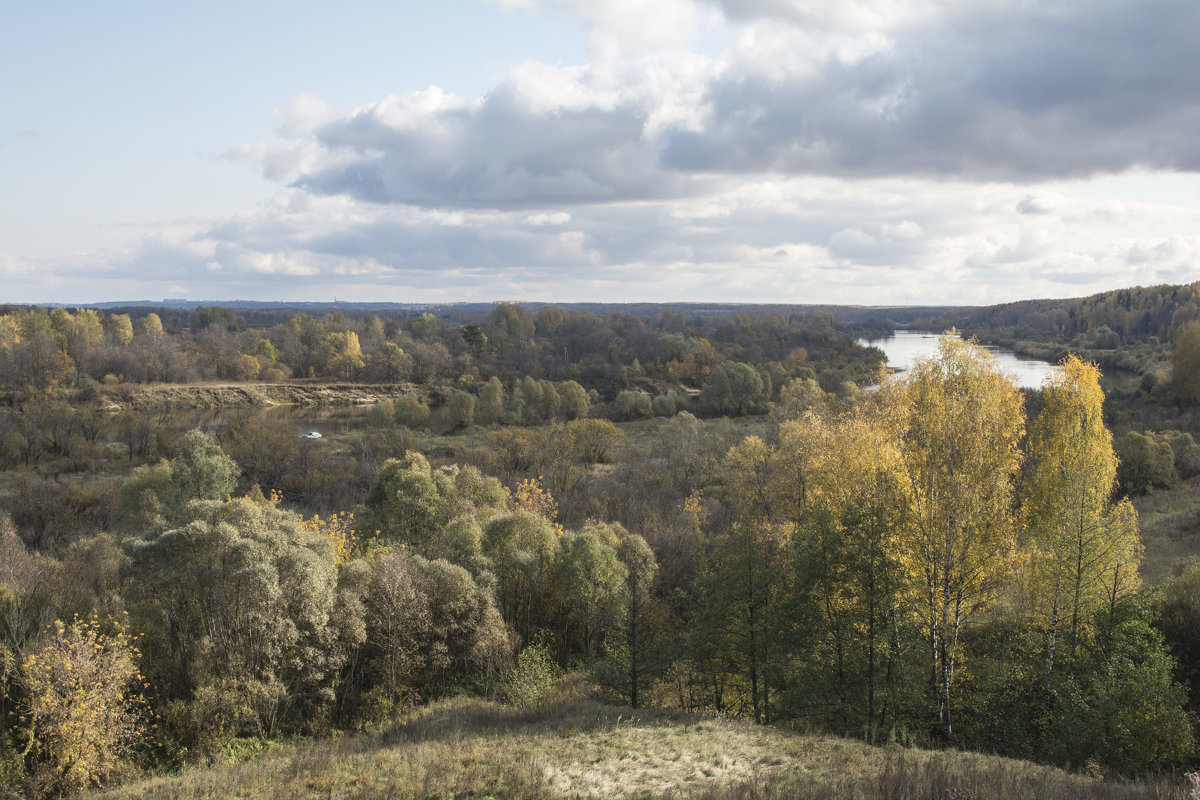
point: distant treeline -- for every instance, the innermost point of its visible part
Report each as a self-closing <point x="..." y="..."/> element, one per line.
<point x="45" y="348"/>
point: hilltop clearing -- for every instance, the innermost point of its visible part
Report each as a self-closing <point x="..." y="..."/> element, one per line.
<point x="470" y="748"/>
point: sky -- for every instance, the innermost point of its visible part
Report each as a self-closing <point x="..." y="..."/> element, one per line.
<point x="879" y="152"/>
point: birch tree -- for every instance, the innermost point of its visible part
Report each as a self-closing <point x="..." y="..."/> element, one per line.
<point x="1084" y="549"/>
<point x="963" y="420"/>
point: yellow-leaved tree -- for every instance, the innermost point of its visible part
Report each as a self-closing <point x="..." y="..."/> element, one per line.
<point x="962" y="420"/>
<point x="852" y="553"/>
<point x="1085" y="550"/>
<point x="81" y="710"/>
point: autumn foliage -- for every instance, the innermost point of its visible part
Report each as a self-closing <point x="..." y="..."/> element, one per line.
<point x="82" y="708"/>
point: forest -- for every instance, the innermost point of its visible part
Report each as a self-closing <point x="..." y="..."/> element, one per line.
<point x="737" y="512"/>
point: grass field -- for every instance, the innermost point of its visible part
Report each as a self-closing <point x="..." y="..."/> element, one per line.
<point x="1170" y="524"/>
<point x="475" y="749"/>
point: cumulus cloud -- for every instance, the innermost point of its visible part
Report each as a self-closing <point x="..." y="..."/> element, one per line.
<point x="542" y="137"/>
<point x="868" y="151"/>
<point x="977" y="91"/>
<point x="1014" y="93"/>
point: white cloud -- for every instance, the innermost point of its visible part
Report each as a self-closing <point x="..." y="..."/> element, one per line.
<point x="829" y="152"/>
<point x="976" y="92"/>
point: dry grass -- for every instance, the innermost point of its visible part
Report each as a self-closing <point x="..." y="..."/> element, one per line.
<point x="1170" y="523"/>
<point x="473" y="749"/>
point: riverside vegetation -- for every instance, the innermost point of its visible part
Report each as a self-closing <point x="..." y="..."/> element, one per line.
<point x="700" y="516"/>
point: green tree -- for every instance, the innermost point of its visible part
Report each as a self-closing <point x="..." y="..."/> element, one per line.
<point x="573" y="400"/>
<point x="509" y="328"/>
<point x="1120" y="704"/>
<point x="522" y="548"/>
<point x="1146" y="462"/>
<point x="403" y="504"/>
<point x="241" y="601"/>
<point x="490" y="407"/>
<point x="159" y="494"/>
<point x="1178" y="610"/>
<point x="637" y="659"/>
<point x="475" y="338"/>
<point x="201" y="470"/>
<point x="460" y="411"/>
<point x="856" y="589"/>
<point x="265" y="447"/>
<point x="388" y="363"/>
<point x="1185" y="367"/>
<point x="587" y="579"/>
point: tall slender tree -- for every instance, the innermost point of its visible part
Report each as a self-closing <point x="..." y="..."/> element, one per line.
<point x="963" y="420"/>
<point x="1084" y="549"/>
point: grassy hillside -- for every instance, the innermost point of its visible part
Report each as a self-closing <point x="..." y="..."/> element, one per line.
<point x="470" y="748"/>
<point x="1170" y="524"/>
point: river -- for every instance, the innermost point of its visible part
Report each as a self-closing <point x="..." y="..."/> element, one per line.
<point x="903" y="347"/>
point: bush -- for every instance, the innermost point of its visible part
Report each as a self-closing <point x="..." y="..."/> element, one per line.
<point x="80" y="719"/>
<point x="533" y="678"/>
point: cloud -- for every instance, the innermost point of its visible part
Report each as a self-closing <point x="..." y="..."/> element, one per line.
<point x="773" y="239"/>
<point x="991" y="93"/>
<point x="543" y="137"/>
<point x="824" y="152"/>
<point x="979" y="92"/>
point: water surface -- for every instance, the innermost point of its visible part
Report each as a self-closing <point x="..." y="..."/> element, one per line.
<point x="904" y="347"/>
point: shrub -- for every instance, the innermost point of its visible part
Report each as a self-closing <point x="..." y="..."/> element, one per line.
<point x="80" y="716"/>
<point x="533" y="678"/>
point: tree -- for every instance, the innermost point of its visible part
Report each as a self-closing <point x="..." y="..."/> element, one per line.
<point x="1120" y="705"/>
<point x="389" y="364"/>
<point x="740" y="609"/>
<point x="460" y="617"/>
<point x="264" y="446"/>
<point x="509" y="328"/>
<point x="460" y="411"/>
<point x="151" y="328"/>
<point x="396" y="612"/>
<point x="160" y="493"/>
<point x="857" y="587"/>
<point x="245" y="600"/>
<point x="1178" y="610"/>
<point x="1185" y="369"/>
<point x="1146" y="462"/>
<point x="403" y="505"/>
<point x="573" y="400"/>
<point x="962" y="422"/>
<point x="490" y="407"/>
<point x="81" y="706"/>
<point x="587" y="578"/>
<point x="343" y="354"/>
<point x="521" y="546"/>
<point x="119" y="328"/>
<point x="413" y="505"/>
<point x="1084" y="551"/>
<point x="475" y="338"/>
<point x="590" y="440"/>
<point x="638" y="613"/>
